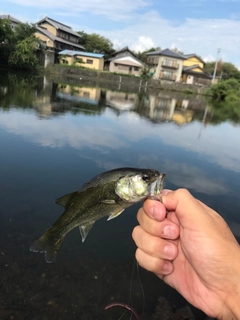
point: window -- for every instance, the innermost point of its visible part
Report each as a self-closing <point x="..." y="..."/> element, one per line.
<point x="121" y="67"/>
<point x="136" y="68"/>
<point x="89" y="61"/>
<point x="170" y="63"/>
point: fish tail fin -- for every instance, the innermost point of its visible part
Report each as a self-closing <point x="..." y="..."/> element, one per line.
<point x="48" y="244"/>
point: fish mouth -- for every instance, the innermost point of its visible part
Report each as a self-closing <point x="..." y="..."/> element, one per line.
<point x="156" y="187"/>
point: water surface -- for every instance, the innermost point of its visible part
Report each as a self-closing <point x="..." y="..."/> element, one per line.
<point x="53" y="138"/>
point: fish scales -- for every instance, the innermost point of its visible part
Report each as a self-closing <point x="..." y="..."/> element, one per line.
<point x="107" y="194"/>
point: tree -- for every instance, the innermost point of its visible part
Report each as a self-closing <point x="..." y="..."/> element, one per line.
<point x="24" y="30"/>
<point x="96" y="43"/>
<point x="227" y="69"/>
<point x="24" y="55"/>
<point x="6" y="40"/>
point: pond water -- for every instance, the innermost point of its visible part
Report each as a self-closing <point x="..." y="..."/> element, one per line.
<point x="53" y="138"/>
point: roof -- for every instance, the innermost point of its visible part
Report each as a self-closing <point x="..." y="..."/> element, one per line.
<point x="55" y="38"/>
<point x="125" y="60"/>
<point x="168" y="53"/>
<point x="125" y="49"/>
<point x="58" y="25"/>
<point x="7" y="16"/>
<point x="82" y="53"/>
<point x="190" y="55"/>
<point x="189" y="70"/>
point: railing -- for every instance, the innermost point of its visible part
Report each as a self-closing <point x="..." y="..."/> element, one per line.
<point x="170" y="64"/>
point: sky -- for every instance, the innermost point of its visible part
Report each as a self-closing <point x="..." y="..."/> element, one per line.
<point x="196" y="26"/>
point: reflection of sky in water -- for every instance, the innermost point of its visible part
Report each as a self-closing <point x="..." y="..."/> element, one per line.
<point x="187" y="154"/>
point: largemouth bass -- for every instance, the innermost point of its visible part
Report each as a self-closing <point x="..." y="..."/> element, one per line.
<point x="107" y="194"/>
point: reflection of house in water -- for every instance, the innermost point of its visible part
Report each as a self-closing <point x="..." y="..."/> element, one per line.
<point x="79" y="94"/>
<point x="164" y="108"/>
<point x="121" y="101"/>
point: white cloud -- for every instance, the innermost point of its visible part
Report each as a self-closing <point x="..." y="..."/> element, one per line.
<point x="203" y="36"/>
<point x="143" y="43"/>
<point x="114" y="10"/>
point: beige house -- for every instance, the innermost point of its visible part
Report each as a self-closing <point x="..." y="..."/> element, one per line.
<point x="124" y="61"/>
<point x="80" y="58"/>
<point x="165" y="64"/>
<point x="56" y="37"/>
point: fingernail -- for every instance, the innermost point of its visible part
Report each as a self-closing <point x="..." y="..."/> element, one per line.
<point x="169" y="231"/>
<point x="154" y="212"/>
<point x="167" y="267"/>
<point x="169" y="251"/>
<point x="165" y="192"/>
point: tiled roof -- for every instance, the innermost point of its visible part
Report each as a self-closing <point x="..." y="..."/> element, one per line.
<point x="189" y="70"/>
<point x="125" y="49"/>
<point x="55" y="38"/>
<point x="58" y="25"/>
<point x="168" y="53"/>
<point x="7" y="16"/>
<point x="82" y="53"/>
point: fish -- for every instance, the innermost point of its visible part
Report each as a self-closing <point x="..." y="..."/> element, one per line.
<point x="107" y="194"/>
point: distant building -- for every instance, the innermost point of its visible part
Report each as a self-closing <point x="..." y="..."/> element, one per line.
<point x="14" y="21"/>
<point x="124" y="61"/>
<point x="57" y="37"/>
<point x="193" y="70"/>
<point x="81" y="58"/>
<point x="165" y="64"/>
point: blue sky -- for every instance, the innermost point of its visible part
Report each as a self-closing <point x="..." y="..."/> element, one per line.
<point x="197" y="26"/>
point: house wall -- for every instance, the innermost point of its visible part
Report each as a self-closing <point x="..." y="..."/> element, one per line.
<point x="168" y="68"/>
<point x="115" y="66"/>
<point x="49" y="27"/>
<point x="192" y="61"/>
<point x="91" y="62"/>
<point x="45" y="39"/>
<point x="96" y="62"/>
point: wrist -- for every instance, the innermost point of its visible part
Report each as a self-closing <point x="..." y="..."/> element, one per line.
<point x="231" y="303"/>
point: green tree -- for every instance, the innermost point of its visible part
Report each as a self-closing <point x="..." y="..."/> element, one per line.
<point x="96" y="43"/>
<point x="227" y="70"/>
<point x="228" y="90"/>
<point x="24" y="30"/>
<point x="24" y="55"/>
<point x="6" y="40"/>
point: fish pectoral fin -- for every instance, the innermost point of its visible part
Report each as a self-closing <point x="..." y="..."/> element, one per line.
<point x="64" y="200"/>
<point x="84" y="230"/>
<point x="108" y="201"/>
<point x="115" y="214"/>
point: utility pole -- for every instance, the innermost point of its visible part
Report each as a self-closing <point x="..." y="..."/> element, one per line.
<point x="215" y="69"/>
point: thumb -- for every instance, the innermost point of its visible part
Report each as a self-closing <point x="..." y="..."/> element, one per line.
<point x="188" y="209"/>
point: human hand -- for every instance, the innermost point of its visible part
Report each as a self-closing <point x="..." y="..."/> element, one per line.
<point x="193" y="250"/>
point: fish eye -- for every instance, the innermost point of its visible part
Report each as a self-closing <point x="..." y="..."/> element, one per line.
<point x="145" y="177"/>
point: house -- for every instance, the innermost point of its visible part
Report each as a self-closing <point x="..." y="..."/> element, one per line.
<point x="124" y="61"/>
<point x="193" y="70"/>
<point x="165" y="64"/>
<point x="81" y="58"/>
<point x="14" y="21"/>
<point x="56" y="37"/>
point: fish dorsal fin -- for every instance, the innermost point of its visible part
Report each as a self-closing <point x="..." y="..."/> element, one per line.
<point x="84" y="230"/>
<point x="108" y="201"/>
<point x="64" y="200"/>
<point x="115" y="215"/>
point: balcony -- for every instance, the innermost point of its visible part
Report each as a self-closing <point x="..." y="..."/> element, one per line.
<point x="170" y="64"/>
